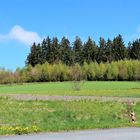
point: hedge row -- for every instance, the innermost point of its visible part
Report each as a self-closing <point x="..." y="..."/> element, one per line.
<point x="119" y="70"/>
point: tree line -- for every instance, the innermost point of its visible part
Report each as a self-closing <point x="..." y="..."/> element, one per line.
<point x="54" y="51"/>
<point x="115" y="71"/>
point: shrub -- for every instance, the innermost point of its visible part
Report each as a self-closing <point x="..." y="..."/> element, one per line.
<point x="117" y="70"/>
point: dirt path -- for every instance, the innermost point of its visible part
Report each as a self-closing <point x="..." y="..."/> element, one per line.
<point x="70" y="98"/>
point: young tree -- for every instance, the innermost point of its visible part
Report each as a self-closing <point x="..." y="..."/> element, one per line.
<point x="76" y="76"/>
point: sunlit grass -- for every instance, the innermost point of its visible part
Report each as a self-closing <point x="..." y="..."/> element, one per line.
<point x="62" y="115"/>
<point x="66" y="88"/>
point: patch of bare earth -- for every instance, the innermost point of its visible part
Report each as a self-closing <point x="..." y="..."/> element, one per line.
<point x="69" y="98"/>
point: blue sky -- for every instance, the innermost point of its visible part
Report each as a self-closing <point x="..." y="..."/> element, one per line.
<point x="25" y="21"/>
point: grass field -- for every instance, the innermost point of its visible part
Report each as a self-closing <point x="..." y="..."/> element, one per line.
<point x="22" y="117"/>
<point x="129" y="89"/>
<point x="19" y="117"/>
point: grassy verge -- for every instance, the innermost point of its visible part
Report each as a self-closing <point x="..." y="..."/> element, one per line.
<point x="19" y="117"/>
<point x="129" y="89"/>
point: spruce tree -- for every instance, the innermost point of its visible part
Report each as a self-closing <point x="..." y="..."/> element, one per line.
<point x="77" y="49"/>
<point x="89" y="51"/>
<point x="102" y="51"/>
<point x="109" y="51"/>
<point x="44" y="50"/>
<point x="55" y="51"/>
<point x="134" y="49"/>
<point x="66" y="55"/>
<point x="119" y="49"/>
<point x="48" y="49"/>
<point x="35" y="56"/>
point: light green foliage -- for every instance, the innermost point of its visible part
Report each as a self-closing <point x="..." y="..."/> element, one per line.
<point x="76" y="73"/>
<point x="123" y="70"/>
<point x="123" y="73"/>
<point x="112" y="71"/>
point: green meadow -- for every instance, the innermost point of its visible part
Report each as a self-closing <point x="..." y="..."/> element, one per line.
<point x="99" y="88"/>
<point x="23" y="117"/>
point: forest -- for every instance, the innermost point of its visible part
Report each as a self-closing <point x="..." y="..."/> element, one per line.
<point x="52" y="60"/>
<point x="54" y="51"/>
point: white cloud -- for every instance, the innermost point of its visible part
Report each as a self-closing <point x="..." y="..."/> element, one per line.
<point x="19" y="34"/>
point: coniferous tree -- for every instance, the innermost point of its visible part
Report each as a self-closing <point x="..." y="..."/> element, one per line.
<point x="102" y="51"/>
<point x="89" y="51"/>
<point x="52" y="51"/>
<point x="44" y="50"/>
<point x="77" y="50"/>
<point x="109" y="51"/>
<point x="35" y="56"/>
<point x="119" y="49"/>
<point x="129" y="47"/>
<point x="55" y="50"/>
<point x="66" y="52"/>
<point x="134" y="49"/>
<point x="48" y="49"/>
